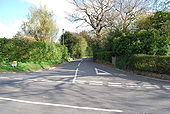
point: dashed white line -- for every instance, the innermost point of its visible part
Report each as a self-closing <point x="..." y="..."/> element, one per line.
<point x="132" y="85"/>
<point x="115" y="85"/>
<point x="32" y="79"/>
<point x="150" y="86"/>
<point x="75" y="76"/>
<point x="80" y="62"/>
<point x="18" y="78"/>
<point x="81" y="81"/>
<point x="60" y="105"/>
<point x="95" y="83"/>
<point x="167" y="87"/>
<point x="4" y="78"/>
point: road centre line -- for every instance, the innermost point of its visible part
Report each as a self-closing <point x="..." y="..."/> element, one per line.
<point x="75" y="76"/>
<point x="59" y="105"/>
<point x="80" y="62"/>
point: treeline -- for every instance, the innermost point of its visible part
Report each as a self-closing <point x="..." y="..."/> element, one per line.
<point x="150" y="36"/>
<point x="31" y="51"/>
<point x="78" y="44"/>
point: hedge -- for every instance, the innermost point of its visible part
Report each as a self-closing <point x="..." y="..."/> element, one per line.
<point x="104" y="56"/>
<point x="26" y="51"/>
<point x="140" y="62"/>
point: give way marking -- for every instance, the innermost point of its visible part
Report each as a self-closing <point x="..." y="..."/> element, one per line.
<point x="101" y="72"/>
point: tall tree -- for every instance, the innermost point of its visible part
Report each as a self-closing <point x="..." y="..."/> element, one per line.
<point x="93" y="13"/>
<point x="105" y="14"/>
<point x="127" y="11"/>
<point x="40" y="25"/>
<point x="161" y="5"/>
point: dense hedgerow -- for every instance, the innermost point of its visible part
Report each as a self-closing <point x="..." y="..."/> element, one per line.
<point x="149" y="63"/>
<point x="26" y="51"/>
<point x="105" y="56"/>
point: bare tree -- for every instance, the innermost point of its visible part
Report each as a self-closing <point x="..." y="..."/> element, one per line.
<point x="161" y="5"/>
<point x="93" y="13"/>
<point x="100" y="14"/>
<point x="127" y="11"/>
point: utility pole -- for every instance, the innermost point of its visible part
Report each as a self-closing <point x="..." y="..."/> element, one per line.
<point x="63" y="35"/>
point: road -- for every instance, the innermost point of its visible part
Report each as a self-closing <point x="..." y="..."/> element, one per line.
<point x="82" y="87"/>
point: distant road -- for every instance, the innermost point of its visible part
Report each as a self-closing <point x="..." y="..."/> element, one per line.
<point x="82" y="87"/>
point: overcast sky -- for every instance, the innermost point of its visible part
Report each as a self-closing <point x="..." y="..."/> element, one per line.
<point x="14" y="12"/>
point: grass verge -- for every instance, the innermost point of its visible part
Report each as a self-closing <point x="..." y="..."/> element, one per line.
<point x="25" y="67"/>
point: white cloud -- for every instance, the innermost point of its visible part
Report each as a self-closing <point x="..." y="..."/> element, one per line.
<point x="60" y="8"/>
<point x="9" y="31"/>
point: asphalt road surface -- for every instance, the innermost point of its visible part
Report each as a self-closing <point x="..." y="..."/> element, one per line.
<point x="82" y="87"/>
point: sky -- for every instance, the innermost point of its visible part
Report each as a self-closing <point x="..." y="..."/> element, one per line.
<point x="14" y="12"/>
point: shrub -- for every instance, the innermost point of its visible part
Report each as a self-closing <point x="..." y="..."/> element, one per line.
<point x="26" y="51"/>
<point x="149" y="63"/>
<point x="104" y="56"/>
<point x="141" y="42"/>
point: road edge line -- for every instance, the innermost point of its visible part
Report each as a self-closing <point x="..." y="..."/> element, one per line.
<point x="60" y="105"/>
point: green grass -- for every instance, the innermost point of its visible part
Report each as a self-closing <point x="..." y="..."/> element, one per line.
<point x="24" y="67"/>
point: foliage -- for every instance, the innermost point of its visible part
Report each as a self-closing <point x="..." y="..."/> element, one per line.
<point x="25" y="51"/>
<point x="107" y="14"/>
<point x="76" y="44"/>
<point x="69" y="41"/>
<point x="110" y="37"/>
<point x="149" y="63"/>
<point x="40" y="25"/>
<point x="104" y="56"/>
<point x="141" y="42"/>
<point x="79" y="50"/>
<point x="160" y="21"/>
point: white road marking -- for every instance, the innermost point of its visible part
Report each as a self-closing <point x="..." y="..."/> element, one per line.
<point x="32" y="79"/>
<point x="75" y="76"/>
<point x="80" y="62"/>
<point x="167" y="87"/>
<point x="4" y="78"/>
<point x="150" y="86"/>
<point x="132" y="85"/>
<point x="103" y="72"/>
<point x="115" y="85"/>
<point x="18" y="78"/>
<point x="60" y="105"/>
<point x="81" y="81"/>
<point x="95" y="83"/>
